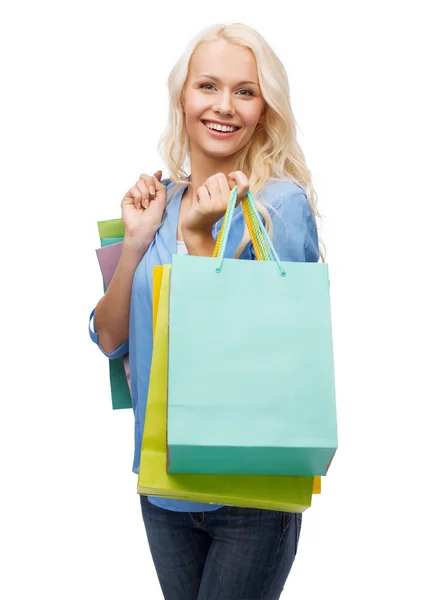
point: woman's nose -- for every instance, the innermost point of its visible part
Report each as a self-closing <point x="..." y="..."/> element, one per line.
<point x="224" y="104"/>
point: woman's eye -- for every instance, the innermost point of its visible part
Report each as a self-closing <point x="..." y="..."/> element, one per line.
<point x="210" y="85"/>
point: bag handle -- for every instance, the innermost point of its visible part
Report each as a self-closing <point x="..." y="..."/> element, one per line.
<point x="260" y="248"/>
<point x="262" y="244"/>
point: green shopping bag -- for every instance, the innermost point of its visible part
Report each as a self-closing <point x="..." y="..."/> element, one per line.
<point x="251" y="374"/>
<point x="292" y="494"/>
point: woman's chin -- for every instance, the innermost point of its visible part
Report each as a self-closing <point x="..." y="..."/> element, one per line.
<point x="218" y="150"/>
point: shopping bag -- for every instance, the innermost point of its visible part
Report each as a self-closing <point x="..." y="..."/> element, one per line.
<point x="157" y="279"/>
<point x="112" y="228"/>
<point x="278" y="493"/>
<point x="108" y="257"/>
<point x="251" y="374"/>
<point x="156" y="290"/>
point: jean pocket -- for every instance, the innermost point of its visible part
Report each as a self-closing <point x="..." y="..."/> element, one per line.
<point x="287" y="517"/>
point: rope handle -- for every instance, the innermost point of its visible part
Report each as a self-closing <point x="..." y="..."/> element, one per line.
<point x="262" y="244"/>
<point x="253" y="228"/>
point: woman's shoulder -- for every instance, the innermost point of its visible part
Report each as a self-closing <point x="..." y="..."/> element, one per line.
<point x="276" y="191"/>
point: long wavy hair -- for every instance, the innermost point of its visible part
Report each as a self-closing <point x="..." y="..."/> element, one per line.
<point x="273" y="151"/>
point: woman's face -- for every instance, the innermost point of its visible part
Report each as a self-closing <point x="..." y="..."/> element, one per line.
<point x="222" y="86"/>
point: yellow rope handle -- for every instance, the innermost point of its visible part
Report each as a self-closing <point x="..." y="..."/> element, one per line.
<point x="253" y="228"/>
<point x="252" y="231"/>
<point x="218" y="241"/>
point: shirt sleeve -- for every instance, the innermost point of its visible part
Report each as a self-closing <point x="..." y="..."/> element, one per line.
<point x="120" y="351"/>
<point x="295" y="236"/>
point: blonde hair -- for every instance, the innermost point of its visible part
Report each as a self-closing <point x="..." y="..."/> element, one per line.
<point x="273" y="151"/>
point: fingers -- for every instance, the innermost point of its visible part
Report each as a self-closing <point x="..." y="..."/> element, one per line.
<point x="148" y="184"/>
<point x="216" y="187"/>
<point x="224" y="189"/>
<point x="133" y="196"/>
<point x="144" y="191"/>
<point x="243" y="185"/>
<point x="216" y="190"/>
<point x="213" y="184"/>
<point x="158" y="185"/>
<point x="203" y="197"/>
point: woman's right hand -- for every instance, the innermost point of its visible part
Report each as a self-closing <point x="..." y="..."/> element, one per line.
<point x="142" y="210"/>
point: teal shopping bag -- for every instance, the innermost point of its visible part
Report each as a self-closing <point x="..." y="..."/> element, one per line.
<point x="251" y="373"/>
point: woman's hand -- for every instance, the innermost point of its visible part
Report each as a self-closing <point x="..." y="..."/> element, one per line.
<point x="211" y="203"/>
<point x="142" y="210"/>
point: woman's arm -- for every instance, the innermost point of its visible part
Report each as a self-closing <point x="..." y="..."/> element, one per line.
<point x="295" y="236"/>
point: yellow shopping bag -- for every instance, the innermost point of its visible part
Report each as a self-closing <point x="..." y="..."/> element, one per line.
<point x="283" y="493"/>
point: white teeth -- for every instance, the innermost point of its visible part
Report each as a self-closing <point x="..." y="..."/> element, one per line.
<point x="223" y="128"/>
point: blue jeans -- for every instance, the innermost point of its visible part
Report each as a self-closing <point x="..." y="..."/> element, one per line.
<point x="227" y="554"/>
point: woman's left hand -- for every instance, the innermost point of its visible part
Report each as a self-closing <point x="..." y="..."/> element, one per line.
<point x="211" y="202"/>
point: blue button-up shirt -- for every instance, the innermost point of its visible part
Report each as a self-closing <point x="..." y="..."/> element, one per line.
<point x="294" y="238"/>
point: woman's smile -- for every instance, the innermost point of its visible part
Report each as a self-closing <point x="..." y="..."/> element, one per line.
<point x="217" y="133"/>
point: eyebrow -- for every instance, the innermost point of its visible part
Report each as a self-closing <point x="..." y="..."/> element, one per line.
<point x="217" y="79"/>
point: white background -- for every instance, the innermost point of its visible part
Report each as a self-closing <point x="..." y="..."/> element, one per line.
<point x="84" y="101"/>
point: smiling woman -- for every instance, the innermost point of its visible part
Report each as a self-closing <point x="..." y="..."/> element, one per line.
<point x="219" y="98"/>
<point x="230" y="76"/>
<point x="230" y="124"/>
